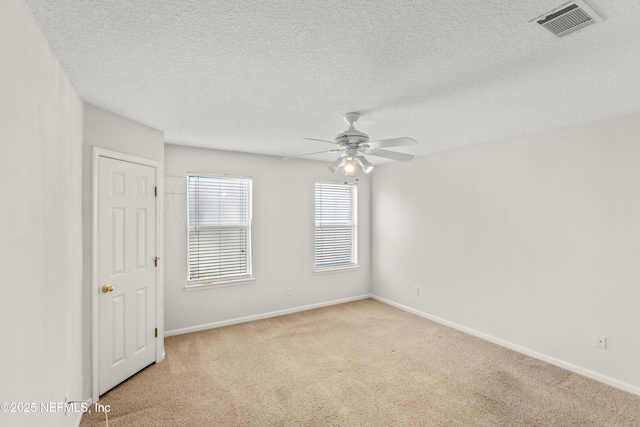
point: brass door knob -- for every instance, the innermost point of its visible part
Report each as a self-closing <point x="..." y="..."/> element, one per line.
<point x="107" y="288"/>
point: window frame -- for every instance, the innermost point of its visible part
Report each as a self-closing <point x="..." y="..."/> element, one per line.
<point x="225" y="280"/>
<point x="352" y="223"/>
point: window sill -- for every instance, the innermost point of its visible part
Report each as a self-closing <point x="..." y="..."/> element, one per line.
<point x="327" y="270"/>
<point x="223" y="284"/>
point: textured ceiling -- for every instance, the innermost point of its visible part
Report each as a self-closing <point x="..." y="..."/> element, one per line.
<point x="257" y="76"/>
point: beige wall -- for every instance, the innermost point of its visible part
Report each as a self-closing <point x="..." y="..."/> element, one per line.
<point x="40" y="224"/>
<point x="533" y="242"/>
<point x="283" y="241"/>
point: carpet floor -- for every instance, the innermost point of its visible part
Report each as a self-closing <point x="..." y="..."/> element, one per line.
<point x="362" y="363"/>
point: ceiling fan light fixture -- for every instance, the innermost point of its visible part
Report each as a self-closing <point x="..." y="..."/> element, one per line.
<point x="364" y="164"/>
<point x="350" y="165"/>
<point x="337" y="164"/>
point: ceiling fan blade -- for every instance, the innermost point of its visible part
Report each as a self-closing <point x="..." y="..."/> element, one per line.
<point x="321" y="140"/>
<point x="393" y="142"/>
<point x="311" y="154"/>
<point x="388" y="154"/>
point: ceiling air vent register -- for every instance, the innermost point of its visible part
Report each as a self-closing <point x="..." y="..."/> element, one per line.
<point x="568" y="18"/>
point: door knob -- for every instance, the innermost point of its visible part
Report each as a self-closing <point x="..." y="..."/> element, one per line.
<point x="107" y="288"/>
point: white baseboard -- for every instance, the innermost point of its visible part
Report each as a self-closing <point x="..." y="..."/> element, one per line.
<point x="78" y="420"/>
<point x="540" y="356"/>
<point x="261" y="316"/>
<point x="78" y="415"/>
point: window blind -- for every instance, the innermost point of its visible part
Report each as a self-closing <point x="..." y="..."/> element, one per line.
<point x="219" y="225"/>
<point x="336" y="225"/>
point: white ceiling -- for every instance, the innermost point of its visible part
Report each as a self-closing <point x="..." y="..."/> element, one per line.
<point x="258" y="76"/>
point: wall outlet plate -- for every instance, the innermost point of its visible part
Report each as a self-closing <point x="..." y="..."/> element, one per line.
<point x="601" y="342"/>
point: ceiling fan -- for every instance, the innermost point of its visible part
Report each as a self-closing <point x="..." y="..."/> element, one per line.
<point x="353" y="145"/>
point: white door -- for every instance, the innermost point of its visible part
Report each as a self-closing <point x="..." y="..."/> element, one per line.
<point x="126" y="270"/>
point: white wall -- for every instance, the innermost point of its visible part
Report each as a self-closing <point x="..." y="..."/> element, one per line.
<point x="40" y="223"/>
<point x="532" y="241"/>
<point x="110" y="131"/>
<point x="283" y="240"/>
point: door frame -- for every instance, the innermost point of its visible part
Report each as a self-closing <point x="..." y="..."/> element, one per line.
<point x="95" y="294"/>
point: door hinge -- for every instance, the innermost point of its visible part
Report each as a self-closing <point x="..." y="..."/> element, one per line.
<point x="156" y="332"/>
<point x="155" y="261"/>
<point x="156" y="191"/>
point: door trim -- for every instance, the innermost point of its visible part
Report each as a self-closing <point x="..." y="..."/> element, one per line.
<point x="95" y="337"/>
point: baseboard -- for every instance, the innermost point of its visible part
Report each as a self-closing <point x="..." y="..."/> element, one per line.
<point x="262" y="316"/>
<point x="528" y="352"/>
<point x="76" y="420"/>
<point x="104" y="415"/>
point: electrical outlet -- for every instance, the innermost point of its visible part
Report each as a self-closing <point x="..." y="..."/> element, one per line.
<point x="416" y="290"/>
<point x="601" y="342"/>
<point x="289" y="291"/>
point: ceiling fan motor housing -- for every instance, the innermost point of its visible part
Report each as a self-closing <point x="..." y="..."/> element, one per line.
<point x="352" y="136"/>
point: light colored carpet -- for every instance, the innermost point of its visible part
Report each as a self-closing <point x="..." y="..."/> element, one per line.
<point x="357" y="364"/>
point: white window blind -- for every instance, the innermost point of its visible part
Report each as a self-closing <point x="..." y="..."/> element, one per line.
<point x="219" y="225"/>
<point x="336" y="225"/>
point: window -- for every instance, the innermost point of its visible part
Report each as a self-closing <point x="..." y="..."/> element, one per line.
<point x="336" y="226"/>
<point x="219" y="227"/>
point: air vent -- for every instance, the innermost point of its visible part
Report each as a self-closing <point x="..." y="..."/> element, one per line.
<point x="568" y="18"/>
